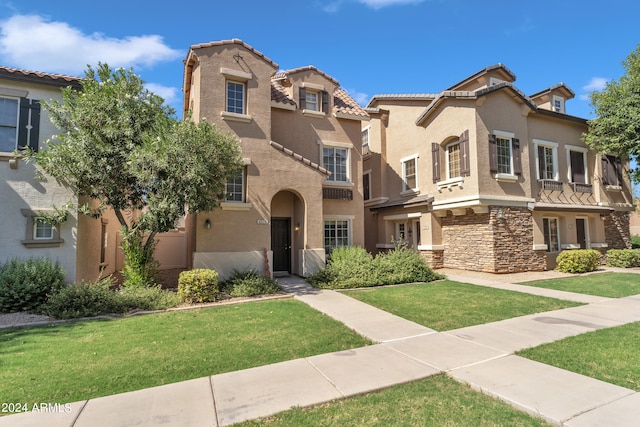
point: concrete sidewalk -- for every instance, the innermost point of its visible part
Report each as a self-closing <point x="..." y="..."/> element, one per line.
<point x="481" y="356"/>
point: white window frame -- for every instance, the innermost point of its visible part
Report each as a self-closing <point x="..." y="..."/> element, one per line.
<point x="560" y="101"/>
<point x="544" y="233"/>
<point x="554" y="147"/>
<point x="37" y="223"/>
<point x="244" y="97"/>
<point x="447" y="148"/>
<point x="364" y="136"/>
<point x="403" y="164"/>
<point x="584" y="151"/>
<point x="15" y="125"/>
<point x="401" y="232"/>
<point x="242" y="192"/>
<point x="506" y="136"/>
<point x="309" y="102"/>
<point x="340" y="146"/>
<point x="348" y="219"/>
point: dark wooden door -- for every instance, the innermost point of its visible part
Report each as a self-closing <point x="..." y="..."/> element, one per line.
<point x="581" y="233"/>
<point x="281" y="244"/>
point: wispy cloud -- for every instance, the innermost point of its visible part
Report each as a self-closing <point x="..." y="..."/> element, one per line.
<point x="170" y="94"/>
<point x="333" y="6"/>
<point x="595" y="84"/>
<point x="57" y="47"/>
<point x="359" y="97"/>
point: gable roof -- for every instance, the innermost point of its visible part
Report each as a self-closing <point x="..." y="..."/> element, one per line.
<point x="507" y="74"/>
<point x="286" y="73"/>
<point x="375" y="99"/>
<point x="560" y="87"/>
<point x="58" y="80"/>
<point x="232" y="42"/>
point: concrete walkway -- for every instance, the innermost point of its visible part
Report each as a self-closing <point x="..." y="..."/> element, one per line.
<point x="481" y="356"/>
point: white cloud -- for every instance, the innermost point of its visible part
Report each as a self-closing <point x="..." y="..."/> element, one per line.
<point x="359" y="97"/>
<point x="170" y="94"/>
<point x="379" y="4"/>
<point x="57" y="47"/>
<point x="596" y="84"/>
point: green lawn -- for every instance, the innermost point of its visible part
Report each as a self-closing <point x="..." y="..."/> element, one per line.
<point x="75" y="361"/>
<point x="614" y="285"/>
<point x="446" y="305"/>
<point x="611" y="355"/>
<point x="435" y="401"/>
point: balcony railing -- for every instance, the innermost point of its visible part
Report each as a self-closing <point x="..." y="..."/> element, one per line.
<point x="337" y="193"/>
<point x="582" y="188"/>
<point x="550" y="185"/>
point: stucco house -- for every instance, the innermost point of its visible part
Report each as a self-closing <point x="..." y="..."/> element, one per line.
<point x="483" y="177"/>
<point x="81" y="245"/>
<point x="300" y="193"/>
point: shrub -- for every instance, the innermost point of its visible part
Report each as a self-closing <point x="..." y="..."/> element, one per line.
<point x="85" y="300"/>
<point x="403" y="265"/>
<point x="635" y="242"/>
<point x="153" y="298"/>
<point x="25" y="284"/>
<point x="624" y="258"/>
<point x="198" y="286"/>
<point x="578" y="261"/>
<point x="247" y="283"/>
<point x="140" y="269"/>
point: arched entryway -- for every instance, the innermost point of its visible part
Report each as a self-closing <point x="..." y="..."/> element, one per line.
<point x="288" y="215"/>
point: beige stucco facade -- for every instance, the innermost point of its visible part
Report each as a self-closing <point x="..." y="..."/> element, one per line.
<point x="291" y="194"/>
<point x="479" y="201"/>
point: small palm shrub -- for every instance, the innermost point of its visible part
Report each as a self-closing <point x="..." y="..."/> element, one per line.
<point x="624" y="258"/>
<point x="248" y="283"/>
<point x="578" y="261"/>
<point x="199" y="285"/>
<point x="26" y="284"/>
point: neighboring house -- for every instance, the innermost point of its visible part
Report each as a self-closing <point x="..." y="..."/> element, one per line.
<point x="300" y="193"/>
<point x="482" y="177"/>
<point x="80" y="245"/>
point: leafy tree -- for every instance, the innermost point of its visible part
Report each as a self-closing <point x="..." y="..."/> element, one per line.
<point x="122" y="147"/>
<point x="616" y="128"/>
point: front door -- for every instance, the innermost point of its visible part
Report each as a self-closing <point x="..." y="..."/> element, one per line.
<point x="281" y="244"/>
<point x="581" y="232"/>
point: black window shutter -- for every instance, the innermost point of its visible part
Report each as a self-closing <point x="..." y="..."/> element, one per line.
<point x="576" y="159"/>
<point x="606" y="180"/>
<point x="325" y="102"/>
<point x="493" y="154"/>
<point x="435" y="160"/>
<point x="303" y="98"/>
<point x="542" y="163"/>
<point x="29" y="115"/>
<point x="618" y="170"/>
<point x="517" y="158"/>
<point x="465" y="163"/>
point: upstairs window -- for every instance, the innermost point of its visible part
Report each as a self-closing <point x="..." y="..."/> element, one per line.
<point x="504" y="154"/>
<point x="410" y="174"/>
<point x="8" y="124"/>
<point x="546" y="159"/>
<point x="453" y="160"/>
<point x="366" y="185"/>
<point x="335" y="160"/>
<point x="234" y="189"/>
<point x="578" y="166"/>
<point x="612" y="171"/>
<point x="312" y="99"/>
<point x="558" y="104"/>
<point x="235" y="97"/>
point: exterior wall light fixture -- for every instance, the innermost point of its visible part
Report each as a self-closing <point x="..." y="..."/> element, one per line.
<point x="500" y="214"/>
<point x="297" y="227"/>
<point x="207" y="224"/>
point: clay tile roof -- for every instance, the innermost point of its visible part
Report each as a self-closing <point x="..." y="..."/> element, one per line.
<point x="500" y="67"/>
<point x="343" y="103"/>
<point x="235" y="41"/>
<point x="279" y="93"/>
<point x="309" y="68"/>
<point x="40" y="77"/>
<point x="401" y="97"/>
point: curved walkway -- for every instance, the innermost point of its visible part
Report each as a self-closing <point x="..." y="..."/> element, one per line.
<point x="481" y="356"/>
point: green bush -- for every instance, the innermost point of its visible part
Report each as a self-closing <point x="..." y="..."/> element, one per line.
<point x="141" y="268"/>
<point x="635" y="242"/>
<point x="578" y="261"/>
<point x="199" y="285"/>
<point x="353" y="267"/>
<point x="85" y="300"/>
<point x="624" y="258"/>
<point x="153" y="298"/>
<point x="26" y="284"/>
<point x="247" y="283"/>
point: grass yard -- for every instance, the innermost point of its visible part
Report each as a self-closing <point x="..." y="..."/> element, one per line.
<point x="446" y="305"/>
<point x="611" y="355"/>
<point x="614" y="285"/>
<point x="435" y="401"/>
<point x="81" y="360"/>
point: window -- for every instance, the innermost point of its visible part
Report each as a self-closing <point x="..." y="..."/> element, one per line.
<point x="547" y="159"/>
<point x="8" y="124"/>
<point x="577" y="167"/>
<point x="234" y="189"/>
<point x="336" y="233"/>
<point x="453" y="160"/>
<point x="410" y="174"/>
<point x="366" y="185"/>
<point x="550" y="229"/>
<point x="558" y="104"/>
<point x="612" y="171"/>
<point x="365" y="141"/>
<point x="335" y="160"/>
<point x="314" y="98"/>
<point x="504" y="155"/>
<point x="311" y="100"/>
<point x="401" y="232"/>
<point x="42" y="230"/>
<point x="235" y="97"/>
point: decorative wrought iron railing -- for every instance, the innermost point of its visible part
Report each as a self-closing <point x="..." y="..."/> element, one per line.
<point x="337" y="193"/>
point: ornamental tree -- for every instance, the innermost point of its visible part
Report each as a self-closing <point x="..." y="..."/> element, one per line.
<point x="122" y="147"/>
<point x="616" y="128"/>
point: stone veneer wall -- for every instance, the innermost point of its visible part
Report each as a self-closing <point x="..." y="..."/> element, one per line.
<point x="435" y="258"/>
<point x="484" y="242"/>
<point x="617" y="231"/>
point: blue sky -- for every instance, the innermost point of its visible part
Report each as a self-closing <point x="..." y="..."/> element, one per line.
<point x="369" y="46"/>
